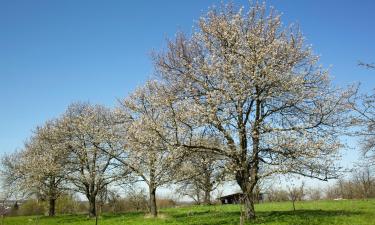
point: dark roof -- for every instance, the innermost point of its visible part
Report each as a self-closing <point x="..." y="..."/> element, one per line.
<point x="232" y="195"/>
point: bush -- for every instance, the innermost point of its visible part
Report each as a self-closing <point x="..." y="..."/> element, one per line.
<point x="135" y="201"/>
<point x="165" y="203"/>
<point x="32" y="207"/>
<point x="67" y="204"/>
<point x="315" y="194"/>
<point x="117" y="205"/>
<point x="277" y="195"/>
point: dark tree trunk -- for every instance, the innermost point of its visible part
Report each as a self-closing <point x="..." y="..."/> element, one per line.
<point x="52" y="195"/>
<point x="198" y="197"/>
<point x="92" y="206"/>
<point x="52" y="207"/>
<point x="247" y="188"/>
<point x="248" y="177"/>
<point x="248" y="197"/>
<point x="152" y="189"/>
<point x="207" y="186"/>
<point x="152" y="202"/>
<point x="207" y="197"/>
<point x="249" y="206"/>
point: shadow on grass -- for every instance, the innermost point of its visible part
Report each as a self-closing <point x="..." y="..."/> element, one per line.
<point x="209" y="216"/>
<point x="191" y="213"/>
<point x="272" y="217"/>
<point x="303" y="215"/>
<point x="73" y="218"/>
<point x="122" y="215"/>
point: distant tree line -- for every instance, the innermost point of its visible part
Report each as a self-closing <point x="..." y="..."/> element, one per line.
<point x="70" y="203"/>
<point x="358" y="184"/>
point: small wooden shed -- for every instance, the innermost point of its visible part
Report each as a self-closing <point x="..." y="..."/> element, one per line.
<point x="236" y="198"/>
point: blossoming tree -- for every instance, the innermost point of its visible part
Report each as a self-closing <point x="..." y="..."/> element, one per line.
<point x="39" y="168"/>
<point x="148" y="155"/>
<point x="88" y="132"/>
<point x="255" y="84"/>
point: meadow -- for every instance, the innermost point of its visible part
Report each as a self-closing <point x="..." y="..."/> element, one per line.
<point x="343" y="212"/>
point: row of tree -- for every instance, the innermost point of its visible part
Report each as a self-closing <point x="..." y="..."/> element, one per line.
<point x="243" y="98"/>
<point x="91" y="147"/>
<point x="360" y="184"/>
<point x="135" y="200"/>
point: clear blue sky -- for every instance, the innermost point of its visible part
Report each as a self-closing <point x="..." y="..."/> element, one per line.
<point x="55" y="52"/>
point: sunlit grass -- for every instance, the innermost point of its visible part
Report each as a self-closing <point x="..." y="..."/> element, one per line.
<point x="345" y="212"/>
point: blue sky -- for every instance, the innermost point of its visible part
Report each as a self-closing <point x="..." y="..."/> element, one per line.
<point x="55" y="52"/>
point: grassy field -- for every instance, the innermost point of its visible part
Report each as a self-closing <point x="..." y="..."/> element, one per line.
<point x="349" y="212"/>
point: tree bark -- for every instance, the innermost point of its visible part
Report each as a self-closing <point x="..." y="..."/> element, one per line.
<point x="52" y="196"/>
<point x="207" y="186"/>
<point x="248" y="197"/>
<point x="52" y="207"/>
<point x="198" y="197"/>
<point x="152" y="202"/>
<point x="92" y="206"/>
<point x="249" y="206"/>
<point x="250" y="170"/>
<point x="207" y="197"/>
<point x="152" y="188"/>
<point x="247" y="178"/>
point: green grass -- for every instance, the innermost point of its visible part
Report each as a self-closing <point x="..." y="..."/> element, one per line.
<point x="346" y="212"/>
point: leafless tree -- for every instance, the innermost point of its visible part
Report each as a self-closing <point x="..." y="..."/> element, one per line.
<point x="296" y="193"/>
<point x="364" y="181"/>
<point x="137" y="198"/>
<point x="277" y="195"/>
<point x="203" y="173"/>
<point x="315" y="193"/>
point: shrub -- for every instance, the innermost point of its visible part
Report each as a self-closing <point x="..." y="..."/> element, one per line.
<point x="32" y="207"/>
<point x="67" y="204"/>
<point x="165" y="203"/>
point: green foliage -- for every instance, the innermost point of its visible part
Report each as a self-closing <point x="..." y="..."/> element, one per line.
<point x="345" y="212"/>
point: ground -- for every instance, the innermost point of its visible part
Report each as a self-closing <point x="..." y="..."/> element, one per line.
<point x="343" y="212"/>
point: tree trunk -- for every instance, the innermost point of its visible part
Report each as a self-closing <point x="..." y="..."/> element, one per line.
<point x="247" y="180"/>
<point x="153" y="208"/>
<point x="250" y="170"/>
<point x="247" y="177"/>
<point x="92" y="206"/>
<point x="152" y="188"/>
<point x="52" y="207"/>
<point x="247" y="188"/>
<point x="249" y="205"/>
<point x="53" y="183"/>
<point x="207" y="186"/>
<point x="198" y="201"/>
<point x="207" y="197"/>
